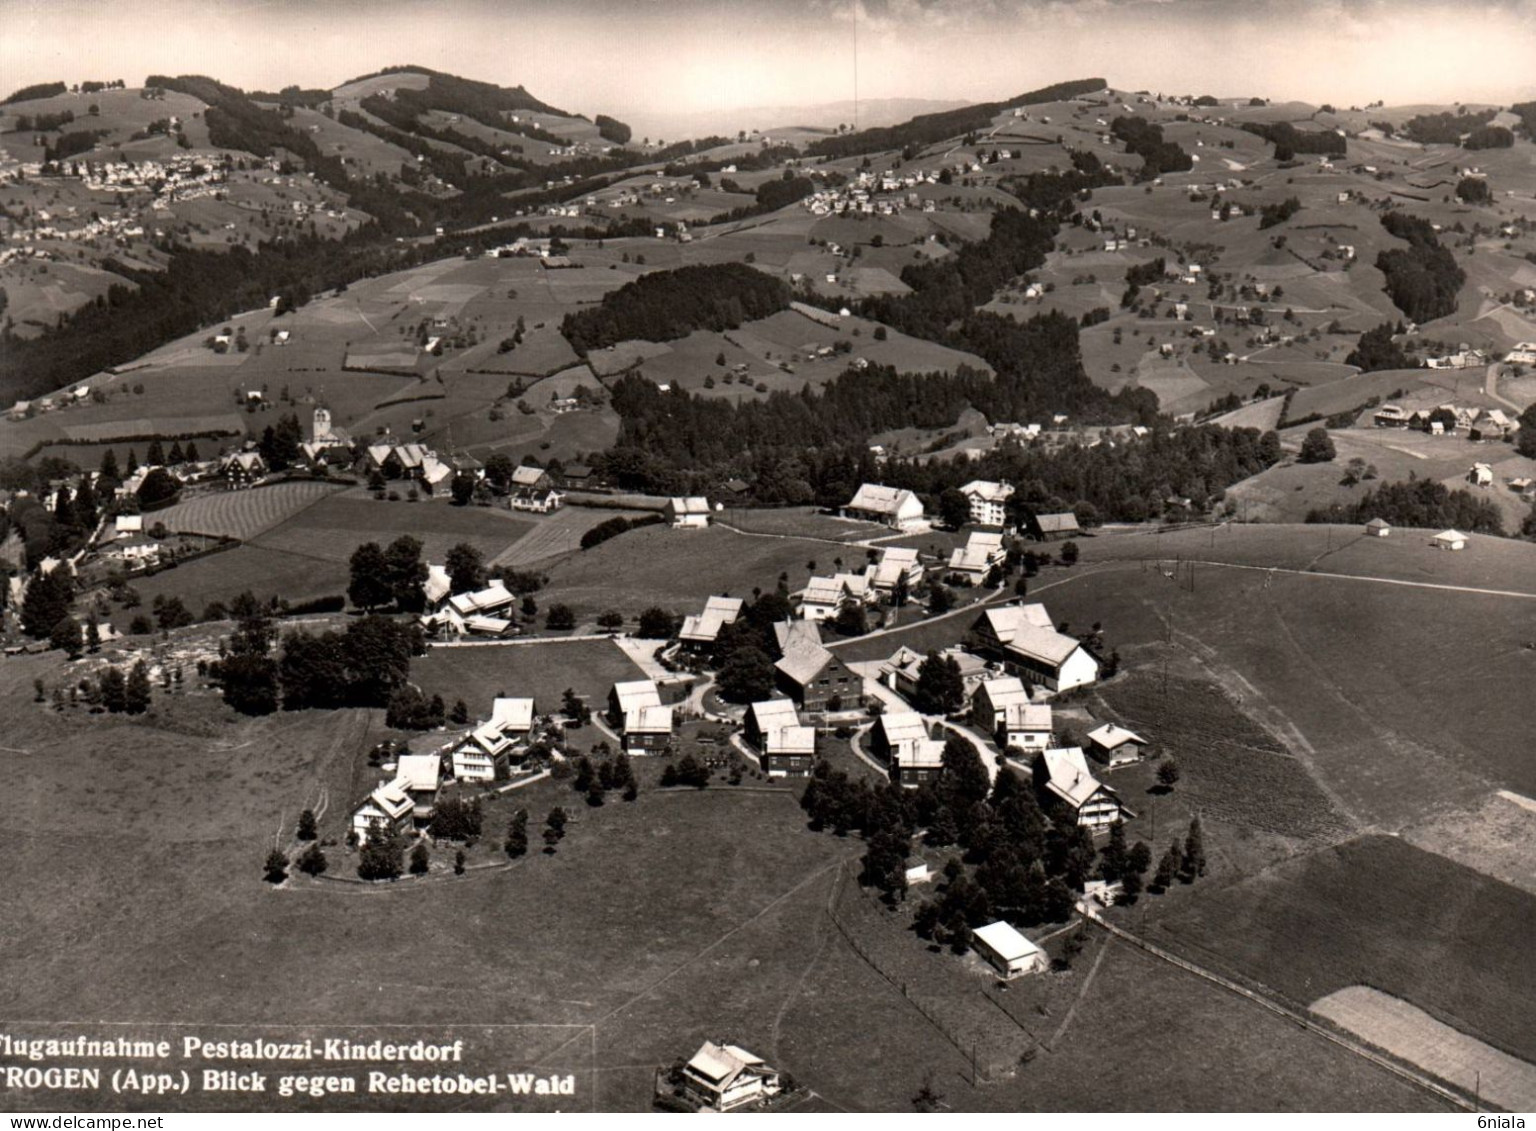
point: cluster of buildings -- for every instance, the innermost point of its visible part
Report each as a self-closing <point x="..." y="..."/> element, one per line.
<point x="1447" y="419"/>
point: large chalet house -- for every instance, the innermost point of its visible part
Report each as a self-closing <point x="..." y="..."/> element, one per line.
<point x="896" y="563"/>
<point x="243" y="468"/>
<point x="812" y="675"/>
<point x="900" y="739"/>
<point x="989" y="501"/>
<point x="483" y="755"/>
<point x="1022" y="639"/>
<point x="896" y="507"/>
<point x="636" y="710"/>
<point x="722" y="1077"/>
<point x="700" y="631"/>
<point x="533" y="490"/>
<point x="1026" y="726"/>
<point x="1066" y="783"/>
<point x="388" y="809"/>
<point x="416" y="462"/>
<point x="824" y="597"/>
<point x="785" y="748"/>
<point x="974" y="560"/>
<point x="904" y="667"/>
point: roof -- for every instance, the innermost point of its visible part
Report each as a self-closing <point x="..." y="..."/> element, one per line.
<point x="511" y="714"/>
<point x="635" y="694"/>
<point x="794" y="739"/>
<point x="1027" y="716"/>
<point x="1007" y="621"/>
<point x="721" y="1064"/>
<point x="979" y="553"/>
<point x="1004" y="691"/>
<point x="1110" y="736"/>
<point x="492" y="596"/>
<point x="419" y="771"/>
<point x="902" y="726"/>
<point x="1377" y="524"/>
<point x="692" y="504"/>
<point x="705" y="627"/>
<point x="988" y="491"/>
<point x="803" y="658"/>
<point x="786" y="632"/>
<point x="1450" y="536"/>
<point x="391" y="798"/>
<point x="1068" y="776"/>
<point x="772" y="713"/>
<point x="879" y="499"/>
<point x="437" y="585"/>
<point x="922" y="752"/>
<point x="526" y="475"/>
<point x="488" y="737"/>
<point x="130" y="523"/>
<point x="832" y="590"/>
<point x="1057" y="523"/>
<point x="1044" y="644"/>
<point x="651" y="719"/>
<point x="1004" y="941"/>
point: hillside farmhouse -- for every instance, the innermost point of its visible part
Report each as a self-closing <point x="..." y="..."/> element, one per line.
<point x="1021" y="638"/>
<point x="812" y="675"/>
<point x="723" y="1077"/>
<point x="896" y="507"/>
<point x="1069" y="785"/>
<point x="1050" y="527"/>
<point x="388" y="808"/>
<point x="1115" y="746"/>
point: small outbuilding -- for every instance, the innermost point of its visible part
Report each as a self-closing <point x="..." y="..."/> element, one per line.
<point x="1006" y="949"/>
<point x="1378" y="528"/>
<point x="1450" y="540"/>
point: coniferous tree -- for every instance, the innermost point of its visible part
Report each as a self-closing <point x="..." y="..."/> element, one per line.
<point x="517" y="835"/>
<point x="308" y="829"/>
<point x="420" y="860"/>
<point x="275" y="870"/>
<point x="1194" y="853"/>
<point x="137" y="693"/>
<point x="312" y="861"/>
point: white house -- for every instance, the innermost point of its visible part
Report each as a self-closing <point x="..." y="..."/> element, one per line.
<point x="420" y="775"/>
<point x="1007" y="950"/>
<point x="1070" y="783"/>
<point x="703" y="629"/>
<point x="388" y="806"/>
<point x="128" y="524"/>
<point x="981" y="552"/>
<point x="482" y="755"/>
<point x="896" y="507"/>
<point x="690" y="513"/>
<point x="993" y="697"/>
<point x="1021" y="637"/>
<point x="1450" y="540"/>
<point x="512" y="717"/>
<point x="1115" y="746"/>
<point x="988" y="501"/>
<point x="896" y="562"/>
<point x="1481" y="475"/>
<point x="724" y="1077"/>
<point x="1378" y="528"/>
<point x="1524" y="353"/>
<point x="824" y="597"/>
<point x="1027" y="726"/>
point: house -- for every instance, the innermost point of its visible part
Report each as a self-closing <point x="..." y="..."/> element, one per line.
<point x="918" y="871"/>
<point x="1115" y="746"/>
<point x="128" y="524"/>
<point x="631" y="696"/>
<point x="420" y="775"/>
<point x="527" y="477"/>
<point x="785" y="747"/>
<point x="482" y="755"/>
<point x="993" y="697"/>
<point x="700" y="632"/>
<point x="636" y="708"/>
<point x="1378" y="528"/>
<point x="815" y="678"/>
<point x="1050" y="527"/>
<point x="1022" y="639"/>
<point x="1450" y="540"/>
<point x="242" y="468"/>
<point x="981" y="552"/>
<point x="395" y="460"/>
<point x="901" y="740"/>
<point x="389" y="807"/>
<point x="988" y="501"/>
<point x="691" y="513"/>
<point x="535" y="500"/>
<point x="494" y="598"/>
<point x="512" y="717"/>
<point x="1481" y="475"/>
<point x="136" y="550"/>
<point x="1007" y="950"/>
<point x="896" y="507"/>
<point x="576" y="476"/>
<point x="436" y="475"/>
<point x="896" y="563"/>
<point x="1026" y="726"/>
<point x="824" y="597"/>
<point x="1524" y="353"/>
<point x="1069" y="784"/>
<point x="904" y="668"/>
<point x="724" y="1077"/>
<point x="438" y="586"/>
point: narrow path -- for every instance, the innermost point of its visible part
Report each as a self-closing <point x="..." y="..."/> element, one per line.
<point x="1376" y="580"/>
<point x="1082" y="993"/>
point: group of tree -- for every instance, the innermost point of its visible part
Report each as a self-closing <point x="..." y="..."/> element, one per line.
<point x="1145" y="140"/>
<point x="454" y="818"/>
<point x="1377" y="350"/>
<point x="395" y="576"/>
<point x="1423" y="278"/>
<point x="666" y="305"/>
<point x="246" y="670"/>
<point x="1474" y="190"/>
<point x="1290" y="141"/>
<point x="594" y="780"/>
<point x="618" y="524"/>
<point x="1422" y="503"/>
<point x="1317" y="447"/>
<point x="687" y="770"/>
<point x="1445" y="127"/>
<point x="1278" y="212"/>
<point x="363" y="666"/>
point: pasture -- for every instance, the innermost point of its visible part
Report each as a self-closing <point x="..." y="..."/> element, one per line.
<point x="479" y="673"/>
<point x="332" y="528"/>
<point x="1379" y="912"/>
<point x="244" y="514"/>
<point x="225" y="575"/>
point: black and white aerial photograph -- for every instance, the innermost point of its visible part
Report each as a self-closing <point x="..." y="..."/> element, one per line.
<point x="788" y="556"/>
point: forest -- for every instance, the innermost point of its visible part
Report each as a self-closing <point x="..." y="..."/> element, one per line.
<point x="1376" y="350"/>
<point x="1423" y="278"/>
<point x="927" y="129"/>
<point x="1445" y="128"/>
<point x="667" y="305"/>
<point x="1289" y="141"/>
<point x="1421" y="503"/>
<point x="1145" y="140"/>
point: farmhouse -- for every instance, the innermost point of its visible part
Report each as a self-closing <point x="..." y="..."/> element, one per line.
<point x="901" y="740"/>
<point x="824" y="597"/>
<point x="1026" y="726"/>
<point x="896" y="563"/>
<point x="1115" y="746"/>
<point x="512" y="717"/>
<point x="988" y="501"/>
<point x="536" y="500"/>
<point x="1021" y="638"/>
<point x="527" y="477"/>
<point x="388" y="807"/>
<point x="1378" y="528"/>
<point x="980" y="553"/>
<point x="482" y="755"/>
<point x="1481" y="475"/>
<point x="691" y="513"/>
<point x="1069" y="785"/>
<point x="994" y="696"/>
<point x="1450" y="540"/>
<point x="904" y="667"/>
<point x="1050" y="527"/>
<point x="494" y="598"/>
<point x="811" y="675"/>
<point x="1524" y="353"/>
<point x="700" y="631"/>
<point x="785" y="748"/>
<point x="636" y="707"/>
<point x="724" y="1077"/>
<point x="896" y="507"/>
<point x="420" y="776"/>
<point x="395" y="460"/>
<point x="242" y="468"/>
<point x="1007" y="950"/>
<point x="129" y="524"/>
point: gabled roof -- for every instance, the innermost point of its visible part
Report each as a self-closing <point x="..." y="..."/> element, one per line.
<point x="1110" y="736"/>
<point x="795" y="739"/>
<point x="980" y="552"/>
<point x="833" y="590"/>
<point x="1057" y="523"/>
<point x="488" y="739"/>
<point x="391" y="799"/>
<point x="722" y="1064"/>
<point x="1007" y="621"/>
<point x="988" y="491"/>
<point x="130" y="523"/>
<point x="1004" y="691"/>
<point x="902" y="726"/>
<point x="525" y="475"/>
<point x="419" y="771"/>
<point x="511" y="714"/>
<point x="437" y="584"/>
<point x="1068" y="776"/>
<point x="636" y="693"/>
<point x="692" y="504"/>
<point x="1378" y="524"/>
<point x="1043" y="644"/>
<point x="894" y="563"/>
<point x="803" y="658"/>
<point x="652" y="719"/>
<point x="1005" y="942"/>
<point x="1027" y="716"/>
<point x="1452" y="535"/>
<point x="788" y="632"/>
<point x="770" y="714"/>
<point x="879" y="499"/>
<point x="495" y="595"/>
<point x="705" y="627"/>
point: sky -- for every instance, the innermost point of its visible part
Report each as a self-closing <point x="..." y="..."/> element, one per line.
<point x="655" y="63"/>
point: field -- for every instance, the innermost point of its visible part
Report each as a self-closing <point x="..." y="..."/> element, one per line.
<point x="478" y="674"/>
<point x="334" y="527"/>
<point x="266" y="573"/>
<point x="244" y="514"/>
<point x="1376" y="912"/>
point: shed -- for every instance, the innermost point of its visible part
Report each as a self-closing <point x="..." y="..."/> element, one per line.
<point x="1003" y="946"/>
<point x="1450" y="540"/>
<point x="1378" y="528"/>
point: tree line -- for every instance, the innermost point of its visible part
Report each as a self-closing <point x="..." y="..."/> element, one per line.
<point x="1423" y="278"/>
<point x="1422" y="503"/>
<point x="1145" y="140"/>
<point x="667" y="305"/>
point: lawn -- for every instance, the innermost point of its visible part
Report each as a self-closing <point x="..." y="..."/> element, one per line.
<point x="544" y="671"/>
<point x="244" y="514"/>
<point x="227" y="574"/>
<point x="1377" y="912"/>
